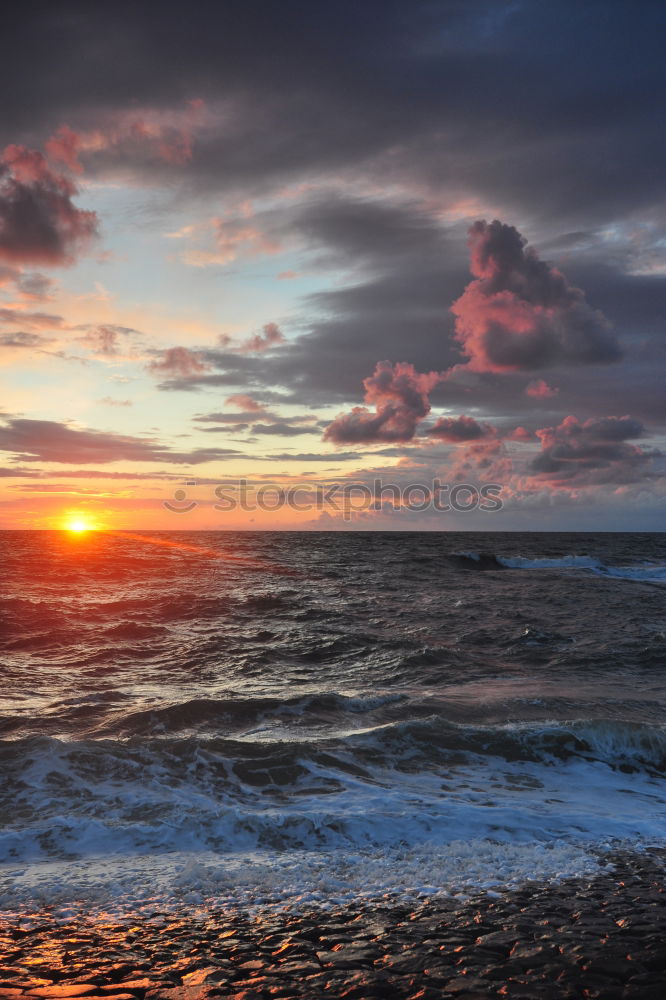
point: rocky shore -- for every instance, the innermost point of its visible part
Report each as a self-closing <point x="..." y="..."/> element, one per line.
<point x="603" y="937"/>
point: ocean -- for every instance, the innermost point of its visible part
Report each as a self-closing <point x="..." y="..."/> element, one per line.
<point x="274" y="720"/>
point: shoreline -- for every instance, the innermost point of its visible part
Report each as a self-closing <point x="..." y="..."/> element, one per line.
<point x="599" y="935"/>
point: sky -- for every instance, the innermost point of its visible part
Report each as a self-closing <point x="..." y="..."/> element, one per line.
<point x="366" y="259"/>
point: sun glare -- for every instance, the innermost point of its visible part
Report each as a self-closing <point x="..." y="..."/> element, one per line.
<point x="78" y="525"/>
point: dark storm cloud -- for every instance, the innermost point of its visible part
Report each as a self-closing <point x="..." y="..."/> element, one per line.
<point x="412" y="269"/>
<point x="593" y="452"/>
<point x="39" y="222"/>
<point x="443" y="101"/>
<point x="520" y="313"/>
<point x="474" y="92"/>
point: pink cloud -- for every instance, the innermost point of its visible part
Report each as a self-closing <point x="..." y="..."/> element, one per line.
<point x="132" y="137"/>
<point x="64" y="147"/>
<point x="101" y="340"/>
<point x="519" y="434"/>
<point x="400" y="396"/>
<point x="270" y="336"/>
<point x="459" y="429"/>
<point x="233" y="236"/>
<point x="539" y="389"/>
<point x="110" y="401"/>
<point x="179" y="361"/>
<point x="486" y="459"/>
<point x="39" y="223"/>
<point x="592" y="452"/>
<point x="246" y="403"/>
<point x="519" y="313"/>
<point x="42" y="321"/>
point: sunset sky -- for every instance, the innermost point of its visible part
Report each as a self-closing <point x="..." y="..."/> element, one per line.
<point x="305" y="242"/>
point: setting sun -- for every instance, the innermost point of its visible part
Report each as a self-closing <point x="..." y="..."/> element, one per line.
<point x="78" y="524"/>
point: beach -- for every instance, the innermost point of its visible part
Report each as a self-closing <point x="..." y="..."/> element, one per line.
<point x="597" y="937"/>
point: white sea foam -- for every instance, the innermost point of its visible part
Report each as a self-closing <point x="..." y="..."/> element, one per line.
<point x="564" y="562"/>
<point x="557" y="785"/>
<point x="647" y="572"/>
<point x="144" y="884"/>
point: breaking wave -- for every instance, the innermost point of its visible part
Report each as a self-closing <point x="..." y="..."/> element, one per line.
<point x="409" y="782"/>
<point x="647" y="572"/>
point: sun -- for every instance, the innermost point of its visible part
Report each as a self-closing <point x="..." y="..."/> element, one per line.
<point x="77" y="524"/>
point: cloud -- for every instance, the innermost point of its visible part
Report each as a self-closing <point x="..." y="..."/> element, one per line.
<point x="459" y="429"/>
<point x="245" y="402"/>
<point x="521" y="314"/>
<point x="232" y="239"/>
<point x="23" y="472"/>
<point x="406" y="266"/>
<point x="102" y="340"/>
<point x="40" y="320"/>
<point x="270" y="337"/>
<point x="51" y="441"/>
<point x="109" y="401"/>
<point x="340" y="456"/>
<point x="23" y="339"/>
<point x="179" y="361"/>
<point x="520" y="434"/>
<point x="64" y="147"/>
<point x="485" y="460"/>
<point x="35" y="286"/>
<point x="538" y="389"/>
<point x="400" y="396"/>
<point x="593" y="452"/>
<point x="39" y="223"/>
<point x="282" y="428"/>
<point x="132" y="137"/>
<point x="237" y="420"/>
<point x="292" y="100"/>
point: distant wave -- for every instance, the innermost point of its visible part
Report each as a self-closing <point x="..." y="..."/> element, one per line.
<point x="647" y="572"/>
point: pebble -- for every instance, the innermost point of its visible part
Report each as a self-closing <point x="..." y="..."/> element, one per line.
<point x="600" y="938"/>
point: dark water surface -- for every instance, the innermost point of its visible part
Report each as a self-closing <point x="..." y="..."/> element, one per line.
<point x="283" y="712"/>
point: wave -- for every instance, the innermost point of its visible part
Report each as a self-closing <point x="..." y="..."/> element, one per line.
<point x="647" y="572"/>
<point x="475" y="560"/>
<point x="237" y="715"/>
<point x="563" y="562"/>
<point x="409" y="782"/>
